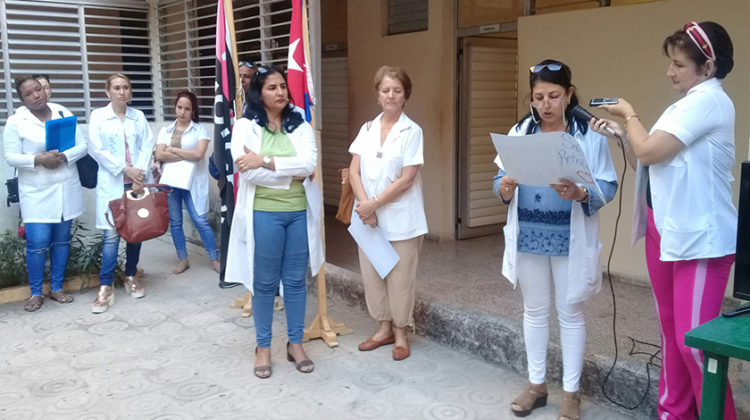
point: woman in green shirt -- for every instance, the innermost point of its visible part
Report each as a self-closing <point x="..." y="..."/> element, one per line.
<point x="273" y="235"/>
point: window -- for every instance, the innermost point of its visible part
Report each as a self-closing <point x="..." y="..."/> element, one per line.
<point x="187" y="43"/>
<point x="407" y="16"/>
<point x="78" y="45"/>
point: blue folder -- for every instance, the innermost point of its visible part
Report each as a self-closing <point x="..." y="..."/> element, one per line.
<point x="61" y="133"/>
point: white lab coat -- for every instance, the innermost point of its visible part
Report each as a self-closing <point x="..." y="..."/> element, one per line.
<point x="584" y="269"/>
<point x="45" y="195"/>
<point x="107" y="146"/>
<point x="241" y="253"/>
<point x="199" y="184"/>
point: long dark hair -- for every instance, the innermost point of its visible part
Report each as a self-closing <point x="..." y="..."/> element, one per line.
<point x="193" y="103"/>
<point x="561" y="77"/>
<point x="720" y="40"/>
<point x="290" y="119"/>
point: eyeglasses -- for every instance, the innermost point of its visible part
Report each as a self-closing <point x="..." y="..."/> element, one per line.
<point x="539" y="102"/>
<point x="550" y="67"/>
<point x="700" y="39"/>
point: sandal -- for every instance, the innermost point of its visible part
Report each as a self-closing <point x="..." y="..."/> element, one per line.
<point x="263" y="371"/>
<point x="301" y="366"/>
<point x="104" y="299"/>
<point x="61" y="297"/>
<point x="34" y="303"/>
<point x="134" y="287"/>
<point x="534" y="396"/>
<point x="570" y="408"/>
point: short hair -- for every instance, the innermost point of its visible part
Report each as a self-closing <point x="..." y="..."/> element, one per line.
<point x="108" y="83"/>
<point x="395" y="73"/>
<point x="193" y="102"/>
<point x="290" y="118"/>
<point x="720" y="41"/>
<point x="19" y="81"/>
<point x="38" y="76"/>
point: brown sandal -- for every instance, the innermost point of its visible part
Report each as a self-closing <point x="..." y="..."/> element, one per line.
<point x="301" y="366"/>
<point x="34" y="303"/>
<point x="61" y="297"/>
<point x="263" y="371"/>
<point x="570" y="408"/>
<point x="534" y="396"/>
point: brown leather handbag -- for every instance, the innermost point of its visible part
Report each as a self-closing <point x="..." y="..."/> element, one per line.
<point x="140" y="218"/>
<point x="346" y="201"/>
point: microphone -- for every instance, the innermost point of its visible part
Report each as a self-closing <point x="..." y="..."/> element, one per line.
<point x="581" y="113"/>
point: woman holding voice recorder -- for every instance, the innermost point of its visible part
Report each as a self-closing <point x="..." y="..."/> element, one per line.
<point x="552" y="238"/>
<point x="683" y="203"/>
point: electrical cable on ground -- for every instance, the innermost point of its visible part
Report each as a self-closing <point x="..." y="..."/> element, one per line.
<point x="652" y="356"/>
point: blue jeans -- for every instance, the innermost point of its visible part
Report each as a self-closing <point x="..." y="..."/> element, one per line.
<point x="176" y="198"/>
<point x="43" y="237"/>
<point x="281" y="255"/>
<point x="110" y="248"/>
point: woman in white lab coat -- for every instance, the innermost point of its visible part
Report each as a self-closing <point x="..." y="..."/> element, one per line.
<point x="120" y="140"/>
<point x="48" y="187"/>
<point x="187" y="140"/>
<point x="552" y="238"/>
<point x="275" y="234"/>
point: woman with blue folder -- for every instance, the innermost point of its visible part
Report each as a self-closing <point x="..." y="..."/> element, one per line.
<point x="120" y="140"/>
<point x="186" y="141"/>
<point x="48" y="187"/>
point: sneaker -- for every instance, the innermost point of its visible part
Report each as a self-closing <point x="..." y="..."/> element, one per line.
<point x="181" y="266"/>
<point x="104" y="299"/>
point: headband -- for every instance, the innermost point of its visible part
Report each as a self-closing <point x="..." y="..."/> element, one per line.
<point x="700" y="39"/>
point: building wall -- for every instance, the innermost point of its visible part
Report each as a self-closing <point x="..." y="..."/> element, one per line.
<point x="616" y="51"/>
<point x="429" y="57"/>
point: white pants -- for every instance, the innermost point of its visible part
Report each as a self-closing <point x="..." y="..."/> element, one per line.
<point x="536" y="273"/>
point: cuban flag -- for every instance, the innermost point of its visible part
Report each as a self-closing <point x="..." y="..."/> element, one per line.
<point x="299" y="77"/>
<point x="224" y="116"/>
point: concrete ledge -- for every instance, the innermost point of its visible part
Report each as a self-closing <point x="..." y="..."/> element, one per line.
<point x="75" y="284"/>
<point x="499" y="341"/>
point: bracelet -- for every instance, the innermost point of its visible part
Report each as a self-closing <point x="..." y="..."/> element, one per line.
<point x="628" y="119"/>
<point x="377" y="201"/>
<point x="586" y="191"/>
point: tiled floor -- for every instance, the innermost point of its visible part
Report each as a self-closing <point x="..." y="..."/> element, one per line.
<point x="182" y="353"/>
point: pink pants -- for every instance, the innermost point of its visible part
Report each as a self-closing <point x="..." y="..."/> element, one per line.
<point x="687" y="294"/>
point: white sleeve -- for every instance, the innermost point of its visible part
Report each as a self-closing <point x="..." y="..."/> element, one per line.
<point x="241" y="135"/>
<point x="413" y="147"/>
<point x="357" y="147"/>
<point x="690" y="118"/>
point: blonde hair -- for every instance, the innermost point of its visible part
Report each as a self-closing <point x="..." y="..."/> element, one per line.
<point x="395" y="73"/>
<point x="108" y="83"/>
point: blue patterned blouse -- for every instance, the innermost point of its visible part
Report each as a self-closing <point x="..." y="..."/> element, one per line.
<point x="543" y="221"/>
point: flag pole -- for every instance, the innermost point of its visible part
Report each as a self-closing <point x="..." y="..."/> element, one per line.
<point x="246" y="302"/>
<point x="322" y="325"/>
<point x="229" y="12"/>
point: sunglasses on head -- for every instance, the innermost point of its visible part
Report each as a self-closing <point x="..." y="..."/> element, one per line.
<point x="245" y="63"/>
<point x="700" y="39"/>
<point x="550" y="67"/>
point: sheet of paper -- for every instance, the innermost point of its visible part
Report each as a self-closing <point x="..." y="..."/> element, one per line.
<point x="61" y="133"/>
<point x="314" y="197"/>
<point x="178" y="174"/>
<point x="374" y="244"/>
<point x="542" y="159"/>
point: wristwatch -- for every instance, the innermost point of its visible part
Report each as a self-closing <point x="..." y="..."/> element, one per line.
<point x="266" y="161"/>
